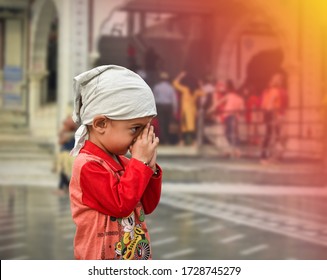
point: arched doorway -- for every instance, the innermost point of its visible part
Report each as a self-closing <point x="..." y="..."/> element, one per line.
<point x="262" y="66"/>
<point x="44" y="30"/>
<point x="251" y="47"/>
<point x="43" y="94"/>
<point x="52" y="57"/>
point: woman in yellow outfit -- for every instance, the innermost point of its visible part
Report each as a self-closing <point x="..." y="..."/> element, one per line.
<point x="190" y="92"/>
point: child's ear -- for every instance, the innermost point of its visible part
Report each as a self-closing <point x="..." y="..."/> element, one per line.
<point x="100" y="123"/>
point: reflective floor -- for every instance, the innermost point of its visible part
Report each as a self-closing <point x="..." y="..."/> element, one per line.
<point x="193" y="221"/>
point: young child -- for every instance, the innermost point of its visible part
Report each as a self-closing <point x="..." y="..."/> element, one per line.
<point x="110" y="194"/>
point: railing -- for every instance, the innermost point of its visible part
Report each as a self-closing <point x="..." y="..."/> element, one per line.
<point x="305" y="128"/>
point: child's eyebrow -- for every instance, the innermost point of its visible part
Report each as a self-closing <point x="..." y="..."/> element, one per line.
<point x="137" y="124"/>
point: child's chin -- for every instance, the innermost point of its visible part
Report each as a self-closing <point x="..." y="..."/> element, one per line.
<point x="124" y="152"/>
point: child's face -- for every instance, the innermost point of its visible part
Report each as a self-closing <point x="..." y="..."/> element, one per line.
<point x="121" y="134"/>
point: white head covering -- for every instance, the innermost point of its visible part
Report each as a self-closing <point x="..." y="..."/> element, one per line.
<point x="110" y="90"/>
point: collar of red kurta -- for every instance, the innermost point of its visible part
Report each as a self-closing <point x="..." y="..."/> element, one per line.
<point x="90" y="148"/>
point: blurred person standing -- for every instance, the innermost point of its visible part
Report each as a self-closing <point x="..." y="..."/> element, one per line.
<point x="281" y="133"/>
<point x="190" y="91"/>
<point x="206" y="100"/>
<point x="253" y="116"/>
<point x="220" y="92"/>
<point x="166" y="102"/>
<point x="203" y="105"/>
<point x="214" y="130"/>
<point x="233" y="106"/>
<point x="270" y="105"/>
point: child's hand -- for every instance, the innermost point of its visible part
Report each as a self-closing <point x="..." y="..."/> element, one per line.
<point x="144" y="148"/>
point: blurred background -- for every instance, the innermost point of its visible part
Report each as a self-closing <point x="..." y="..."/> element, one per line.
<point x="237" y="183"/>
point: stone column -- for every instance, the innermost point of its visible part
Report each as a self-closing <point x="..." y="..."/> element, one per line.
<point x="73" y="50"/>
<point x="65" y="59"/>
<point x="35" y="88"/>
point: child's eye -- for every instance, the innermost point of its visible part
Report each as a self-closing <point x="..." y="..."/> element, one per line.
<point x="134" y="129"/>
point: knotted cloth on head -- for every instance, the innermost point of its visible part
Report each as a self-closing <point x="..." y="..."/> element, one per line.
<point x="110" y="90"/>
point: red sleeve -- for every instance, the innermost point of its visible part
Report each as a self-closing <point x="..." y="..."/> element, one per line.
<point x="103" y="191"/>
<point x="152" y="193"/>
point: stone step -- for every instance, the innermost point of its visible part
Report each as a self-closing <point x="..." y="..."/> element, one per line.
<point x="21" y="143"/>
<point x="8" y="118"/>
<point x="11" y="129"/>
<point x="23" y="149"/>
<point x="25" y="160"/>
<point x="29" y="158"/>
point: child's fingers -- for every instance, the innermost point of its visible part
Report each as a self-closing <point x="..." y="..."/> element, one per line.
<point x="156" y="141"/>
<point x="151" y="134"/>
<point x="149" y="131"/>
<point x="144" y="132"/>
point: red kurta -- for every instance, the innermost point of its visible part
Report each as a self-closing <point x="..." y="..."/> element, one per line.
<point x="109" y="202"/>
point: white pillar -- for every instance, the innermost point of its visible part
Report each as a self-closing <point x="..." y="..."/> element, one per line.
<point x="65" y="57"/>
<point x="35" y="86"/>
<point x="73" y="50"/>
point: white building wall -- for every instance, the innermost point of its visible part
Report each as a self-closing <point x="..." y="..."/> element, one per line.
<point x="13" y="42"/>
